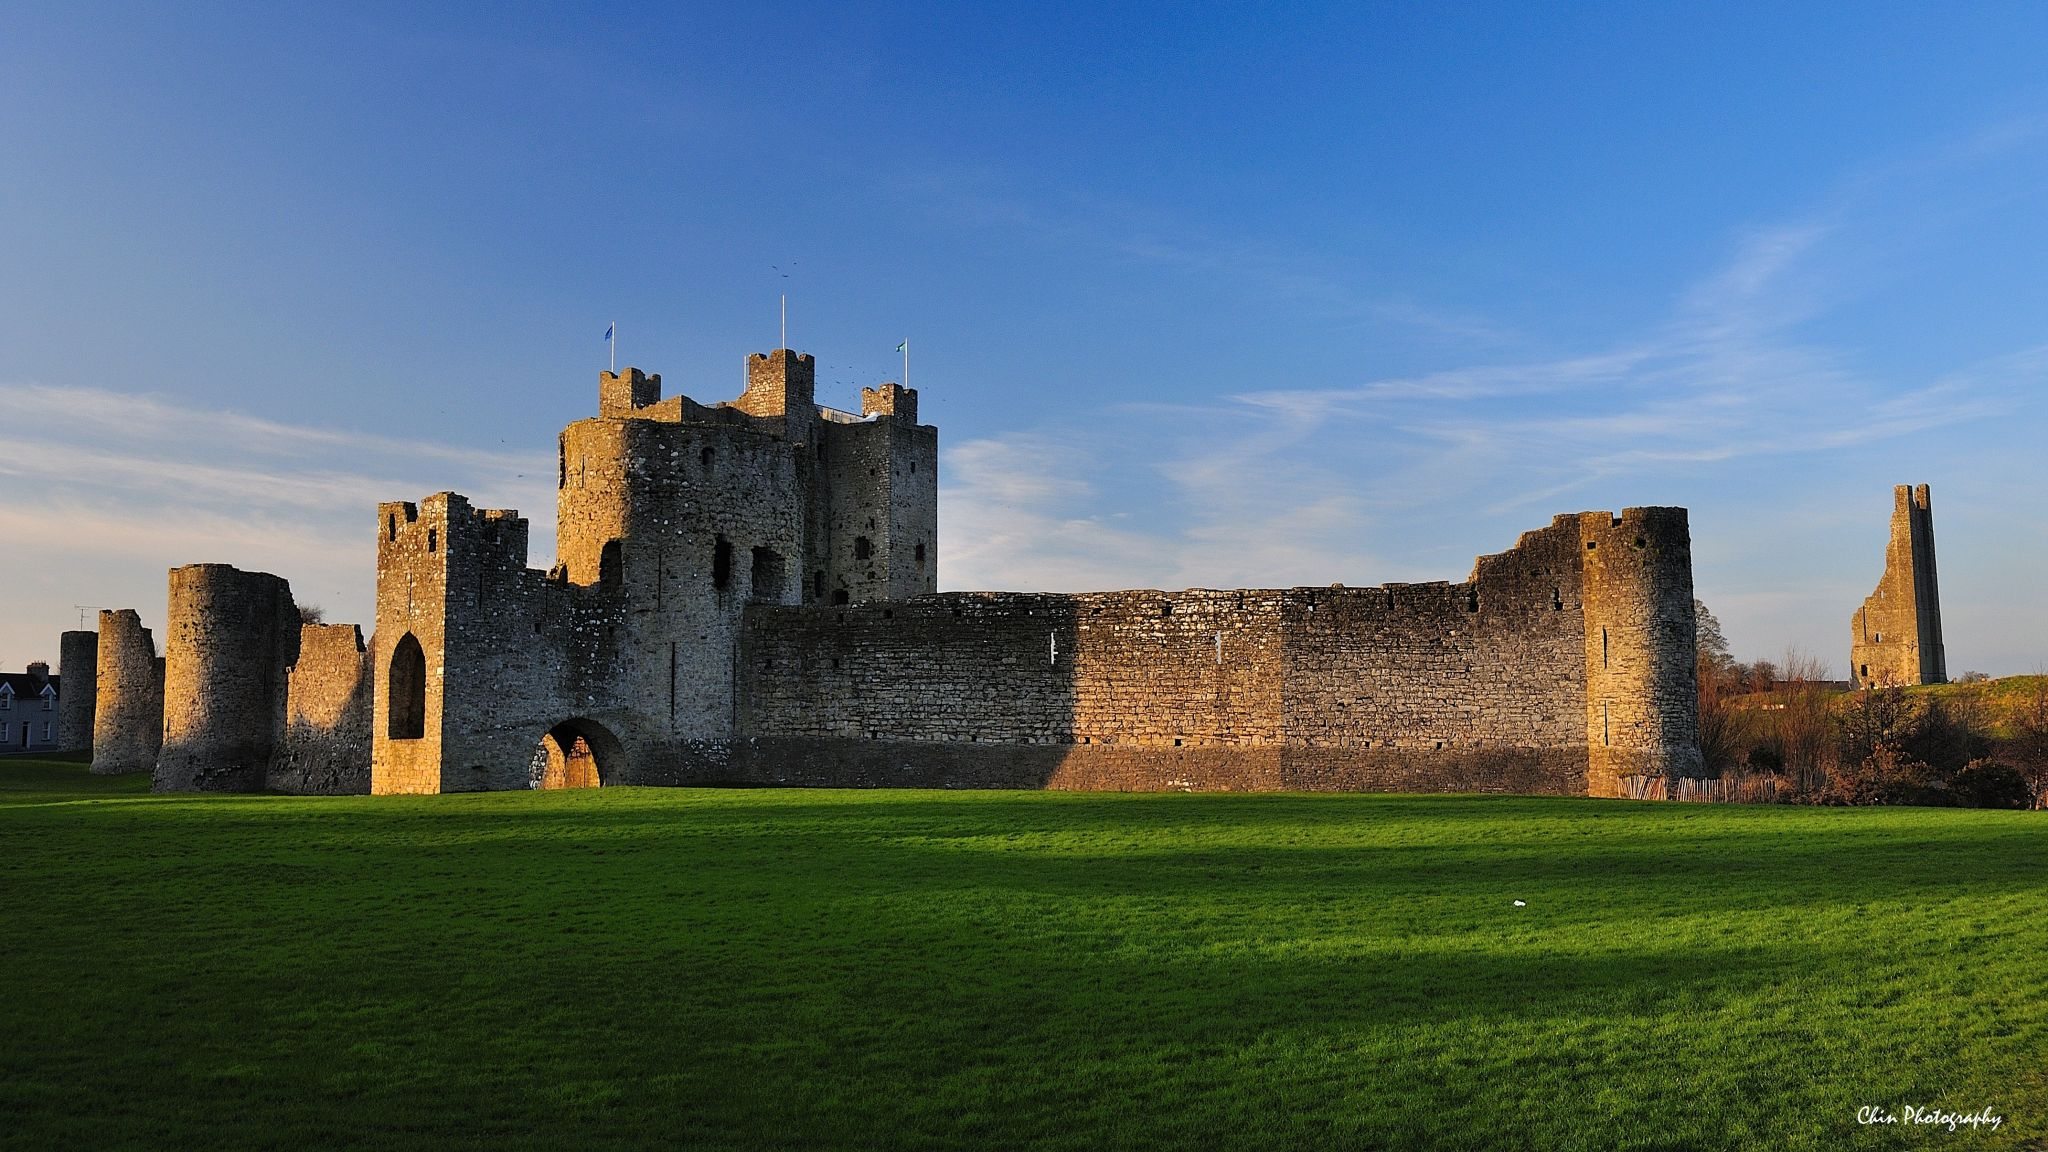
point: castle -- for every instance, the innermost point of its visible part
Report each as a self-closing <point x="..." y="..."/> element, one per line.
<point x="746" y="592"/>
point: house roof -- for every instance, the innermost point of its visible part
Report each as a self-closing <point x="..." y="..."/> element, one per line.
<point x="27" y="687"/>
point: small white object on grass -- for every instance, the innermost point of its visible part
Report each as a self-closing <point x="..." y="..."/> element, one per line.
<point x="1521" y="903"/>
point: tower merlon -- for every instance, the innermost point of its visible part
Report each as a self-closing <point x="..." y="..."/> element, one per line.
<point x="621" y="394"/>
<point x="890" y="399"/>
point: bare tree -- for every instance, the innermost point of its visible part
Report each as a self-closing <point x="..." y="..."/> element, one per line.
<point x="312" y="614"/>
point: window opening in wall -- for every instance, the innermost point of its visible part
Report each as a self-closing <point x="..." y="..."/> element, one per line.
<point x="1877" y="638"/>
<point x="1557" y="600"/>
<point x="721" y="563"/>
<point x="433" y="539"/>
<point x="818" y="585"/>
<point x="405" y="691"/>
<point x="1472" y="601"/>
<point x="839" y="596"/>
<point x="610" y="565"/>
<point x="767" y="577"/>
<point x="391" y="527"/>
<point x="704" y="458"/>
<point x="1603" y="647"/>
<point x="913" y="467"/>
<point x="919" y="553"/>
<point x="862" y="548"/>
<point x="1592" y="544"/>
<point x="1603" y="722"/>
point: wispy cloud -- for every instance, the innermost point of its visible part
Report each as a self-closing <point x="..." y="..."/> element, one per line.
<point x="1297" y="485"/>
<point x="110" y="490"/>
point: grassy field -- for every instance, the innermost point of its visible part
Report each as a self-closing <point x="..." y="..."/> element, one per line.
<point x="800" y="969"/>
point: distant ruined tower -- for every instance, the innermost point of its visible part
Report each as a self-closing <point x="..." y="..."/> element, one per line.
<point x="1896" y="635"/>
<point x="79" y="664"/>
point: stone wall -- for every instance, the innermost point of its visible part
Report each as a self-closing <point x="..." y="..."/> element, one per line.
<point x="78" y="692"/>
<point x="1895" y="637"/>
<point x="1478" y="686"/>
<point x="232" y="636"/>
<point x="128" y="719"/>
<point x="325" y="747"/>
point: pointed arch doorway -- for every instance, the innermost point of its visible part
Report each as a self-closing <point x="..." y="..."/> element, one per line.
<point x="577" y="753"/>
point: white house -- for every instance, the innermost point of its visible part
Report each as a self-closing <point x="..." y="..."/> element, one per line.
<point x="28" y="710"/>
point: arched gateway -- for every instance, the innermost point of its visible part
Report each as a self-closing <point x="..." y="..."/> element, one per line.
<point x="577" y="753"/>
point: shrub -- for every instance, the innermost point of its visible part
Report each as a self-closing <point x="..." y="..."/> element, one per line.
<point x="1989" y="784"/>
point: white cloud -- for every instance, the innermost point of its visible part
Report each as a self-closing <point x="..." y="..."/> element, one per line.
<point x="103" y="492"/>
<point x="1407" y="478"/>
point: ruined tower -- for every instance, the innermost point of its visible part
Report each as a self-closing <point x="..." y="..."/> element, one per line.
<point x="128" y="723"/>
<point x="1895" y="638"/>
<point x="79" y="660"/>
<point x="231" y="638"/>
<point x="1641" y="689"/>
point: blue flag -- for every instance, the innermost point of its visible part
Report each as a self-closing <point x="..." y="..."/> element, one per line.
<point x="608" y="330"/>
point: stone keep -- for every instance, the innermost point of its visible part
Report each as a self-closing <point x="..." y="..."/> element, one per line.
<point x="1895" y="638"/>
<point x="672" y="518"/>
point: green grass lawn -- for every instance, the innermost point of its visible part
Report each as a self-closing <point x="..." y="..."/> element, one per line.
<point x="799" y="969"/>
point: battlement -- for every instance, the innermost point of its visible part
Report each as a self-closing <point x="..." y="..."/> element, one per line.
<point x="621" y="394"/>
<point x="891" y="399"/>
<point x="446" y="522"/>
<point x="779" y="383"/>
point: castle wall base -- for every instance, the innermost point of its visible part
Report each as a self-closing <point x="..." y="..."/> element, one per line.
<point x="829" y="763"/>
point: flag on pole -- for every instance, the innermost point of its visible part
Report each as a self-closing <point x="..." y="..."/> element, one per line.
<point x="903" y="347"/>
<point x="608" y="330"/>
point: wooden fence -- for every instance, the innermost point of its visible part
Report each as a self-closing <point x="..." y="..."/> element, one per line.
<point x="1727" y="790"/>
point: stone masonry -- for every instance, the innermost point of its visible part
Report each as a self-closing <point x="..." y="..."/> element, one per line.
<point x="79" y="663"/>
<point x="232" y="637"/>
<point x="746" y="592"/>
<point x="128" y="715"/>
<point x="1895" y="638"/>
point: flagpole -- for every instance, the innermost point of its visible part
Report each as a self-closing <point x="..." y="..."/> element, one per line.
<point x="785" y="320"/>
<point x="906" y="363"/>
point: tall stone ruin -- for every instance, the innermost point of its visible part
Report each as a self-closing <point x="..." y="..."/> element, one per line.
<point x="1895" y="638"/>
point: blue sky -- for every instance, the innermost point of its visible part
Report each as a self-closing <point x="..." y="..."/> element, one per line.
<point x="1199" y="295"/>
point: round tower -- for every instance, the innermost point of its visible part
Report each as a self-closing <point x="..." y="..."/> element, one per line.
<point x="128" y="713"/>
<point x="1642" y="694"/>
<point x="231" y="638"/>
<point x="79" y="665"/>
